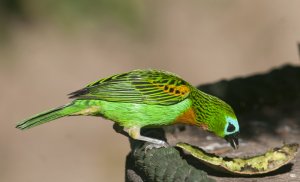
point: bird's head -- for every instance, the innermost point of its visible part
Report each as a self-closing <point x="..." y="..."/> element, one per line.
<point x="221" y="120"/>
<point x="227" y="127"/>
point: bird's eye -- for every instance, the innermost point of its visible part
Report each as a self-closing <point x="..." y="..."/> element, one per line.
<point x="230" y="128"/>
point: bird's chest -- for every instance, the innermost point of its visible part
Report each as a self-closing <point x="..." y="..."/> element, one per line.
<point x="187" y="117"/>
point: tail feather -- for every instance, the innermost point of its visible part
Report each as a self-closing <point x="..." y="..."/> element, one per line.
<point x="48" y="116"/>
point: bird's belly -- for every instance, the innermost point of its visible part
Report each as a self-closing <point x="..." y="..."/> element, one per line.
<point x="131" y="114"/>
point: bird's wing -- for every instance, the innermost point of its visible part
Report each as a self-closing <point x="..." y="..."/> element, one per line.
<point x="139" y="86"/>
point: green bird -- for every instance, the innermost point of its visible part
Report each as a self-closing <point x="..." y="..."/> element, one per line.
<point x="147" y="98"/>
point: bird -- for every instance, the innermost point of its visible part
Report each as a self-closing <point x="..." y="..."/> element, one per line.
<point x="147" y="98"/>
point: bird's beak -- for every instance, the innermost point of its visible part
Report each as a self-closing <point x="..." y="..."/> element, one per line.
<point x="233" y="140"/>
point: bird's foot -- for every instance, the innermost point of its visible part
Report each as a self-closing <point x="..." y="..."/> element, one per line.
<point x="156" y="145"/>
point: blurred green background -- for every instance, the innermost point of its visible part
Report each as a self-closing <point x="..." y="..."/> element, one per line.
<point x="50" y="48"/>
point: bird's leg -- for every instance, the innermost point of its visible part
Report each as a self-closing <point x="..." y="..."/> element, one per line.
<point x="134" y="132"/>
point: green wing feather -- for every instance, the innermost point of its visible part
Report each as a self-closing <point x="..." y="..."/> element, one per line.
<point x="139" y="86"/>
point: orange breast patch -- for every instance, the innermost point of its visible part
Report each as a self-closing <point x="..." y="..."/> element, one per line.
<point x="188" y="117"/>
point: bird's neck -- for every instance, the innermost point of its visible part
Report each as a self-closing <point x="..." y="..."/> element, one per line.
<point x="203" y="107"/>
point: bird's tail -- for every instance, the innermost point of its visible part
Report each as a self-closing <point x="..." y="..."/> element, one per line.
<point x="50" y="115"/>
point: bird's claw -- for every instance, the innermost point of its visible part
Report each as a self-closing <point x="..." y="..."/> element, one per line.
<point x="155" y="145"/>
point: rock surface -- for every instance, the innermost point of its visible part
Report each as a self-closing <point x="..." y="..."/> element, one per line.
<point x="268" y="109"/>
